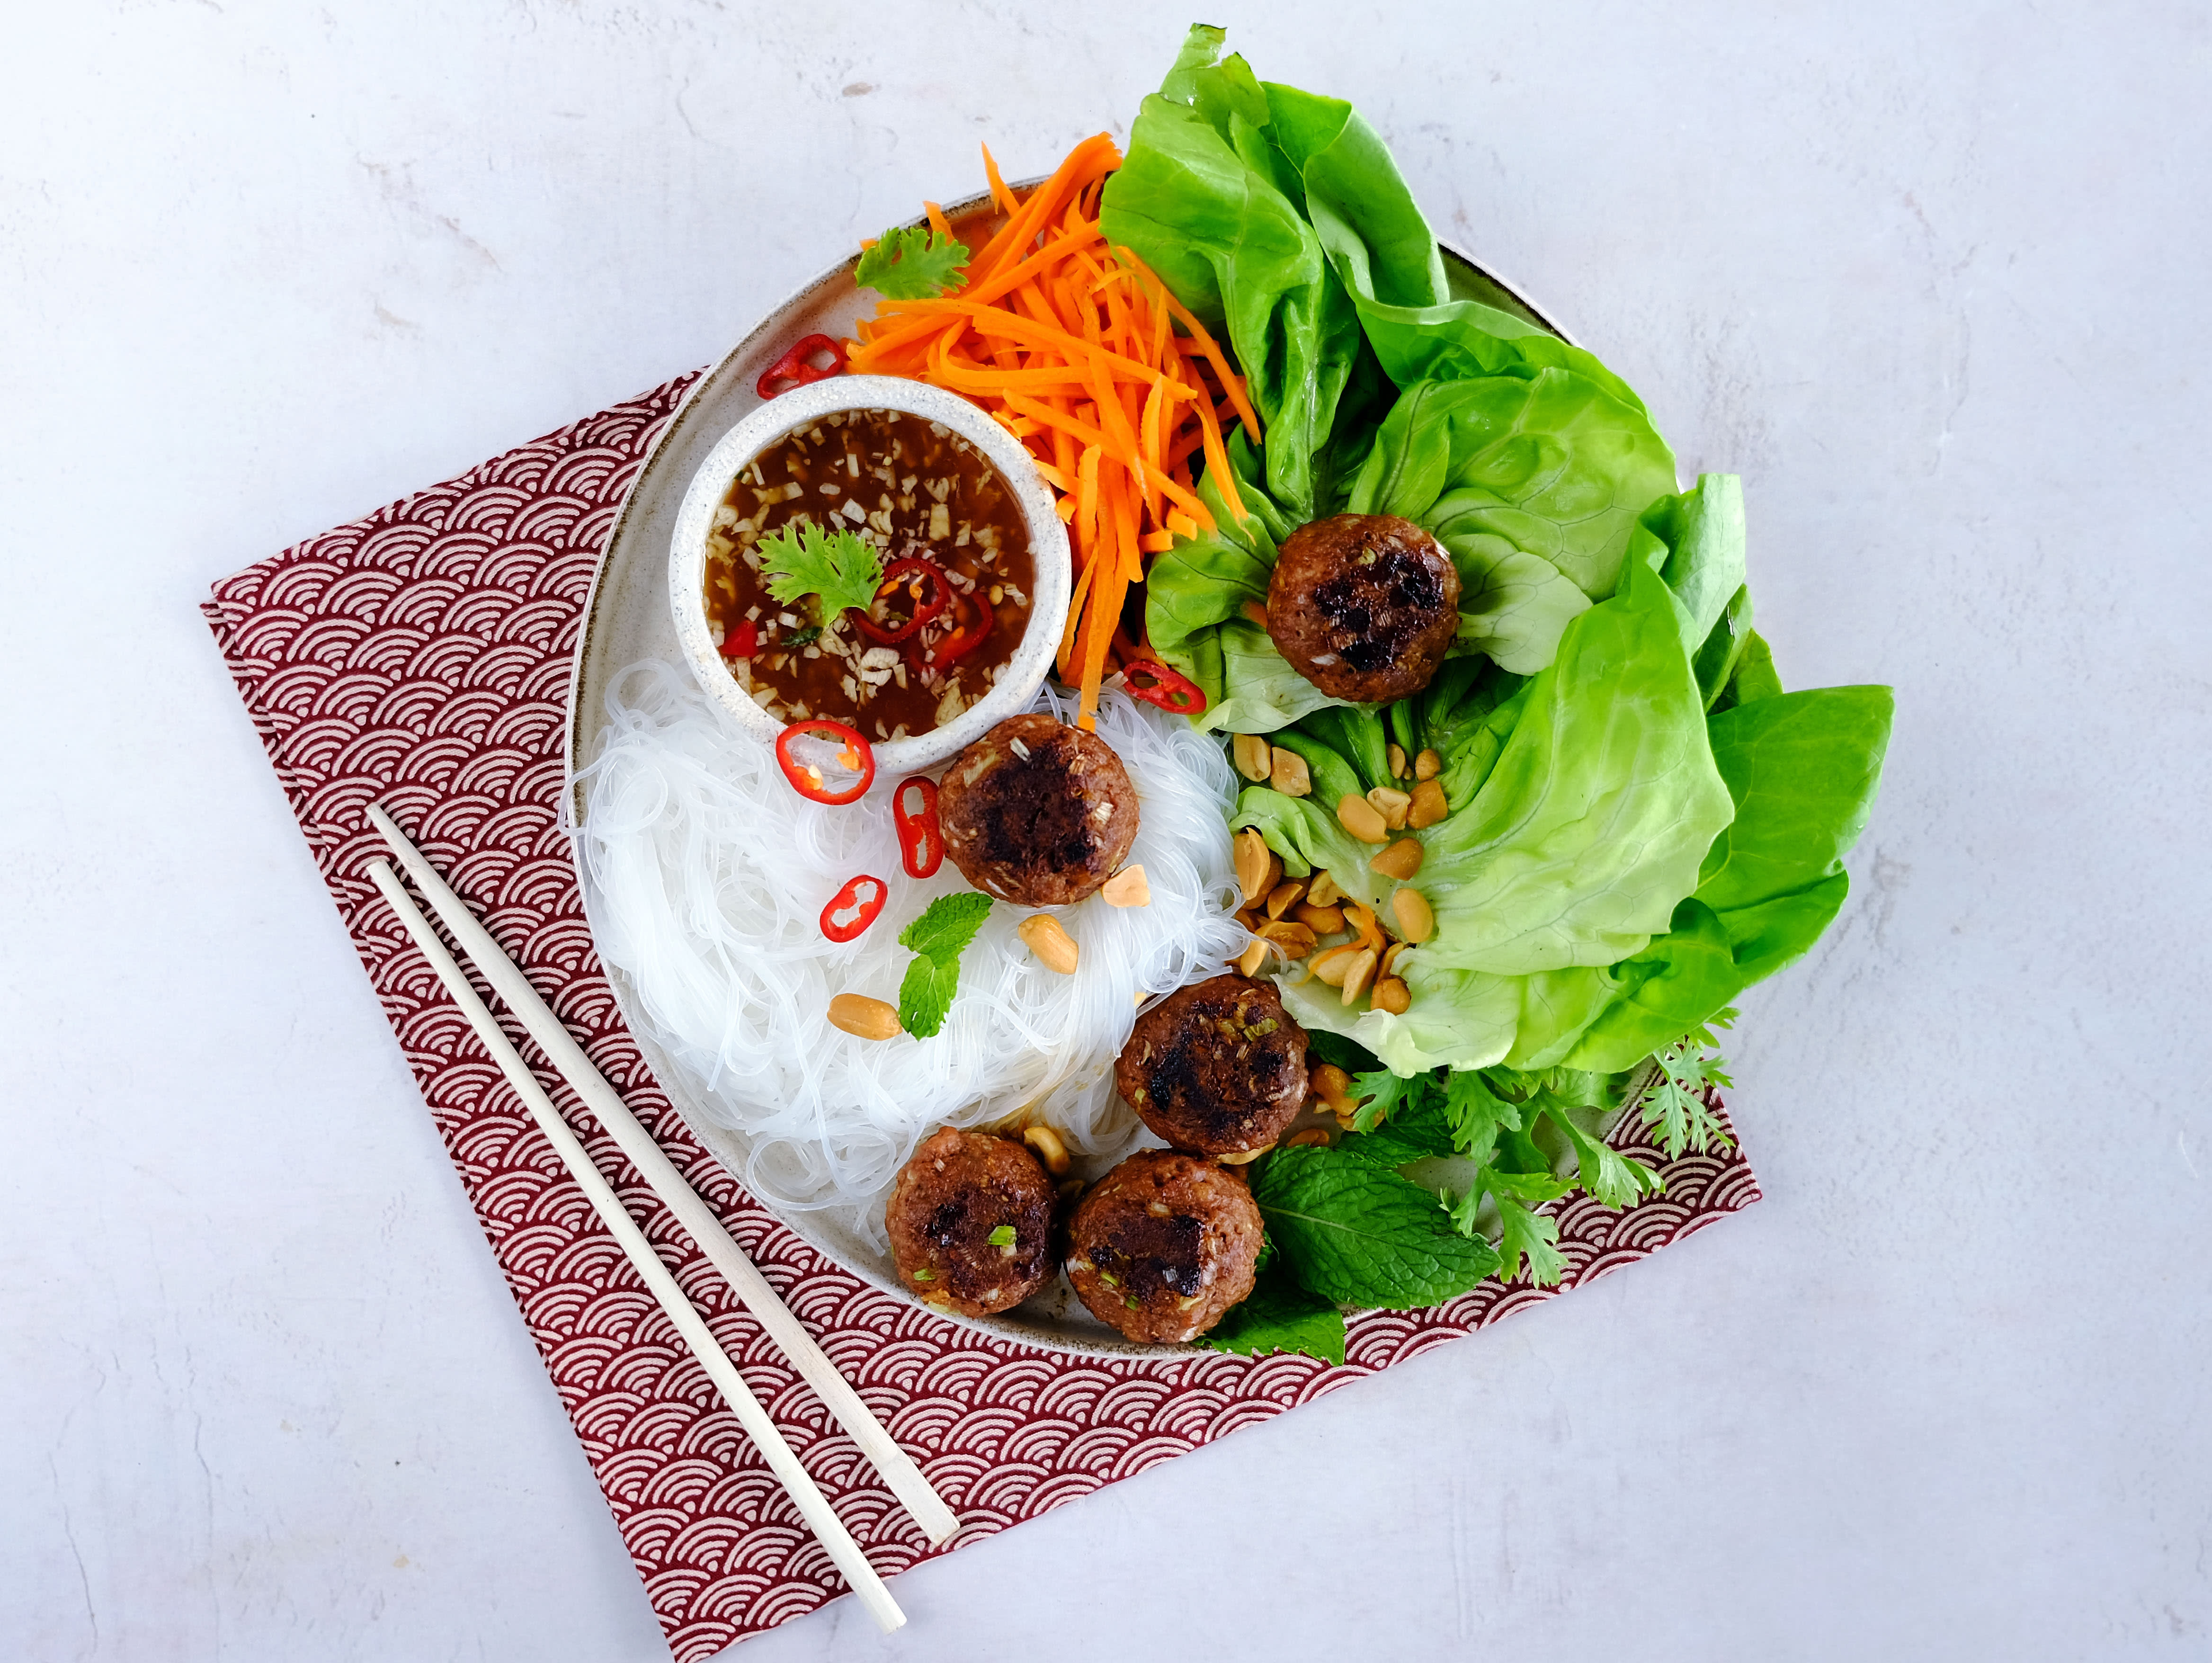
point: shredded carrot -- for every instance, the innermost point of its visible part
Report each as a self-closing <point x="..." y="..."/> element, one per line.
<point x="1081" y="352"/>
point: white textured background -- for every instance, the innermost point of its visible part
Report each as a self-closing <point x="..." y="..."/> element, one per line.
<point x="1935" y="286"/>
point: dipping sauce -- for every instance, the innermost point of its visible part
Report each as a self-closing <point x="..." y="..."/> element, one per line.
<point x="916" y="491"/>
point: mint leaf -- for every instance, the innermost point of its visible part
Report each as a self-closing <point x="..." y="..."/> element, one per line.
<point x="840" y="568"/>
<point x="1419" y="1129"/>
<point x="1360" y="1235"/>
<point x="938" y="939"/>
<point x="911" y="263"/>
<point x="1279" y="1315"/>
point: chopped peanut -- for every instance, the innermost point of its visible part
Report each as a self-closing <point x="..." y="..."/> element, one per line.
<point x="1416" y="922"/>
<point x="1393" y="996"/>
<point x="1363" y="820"/>
<point x="1127" y="887"/>
<point x="1049" y="1148"/>
<point x="1355" y="979"/>
<point x="1363" y="920"/>
<point x="1252" y="858"/>
<point x="1054" y="947"/>
<point x="1242" y="1157"/>
<point x="1402" y="860"/>
<point x="864" y="1018"/>
<point x="1250" y="752"/>
<point x="1310" y="1134"/>
<point x="1288" y="773"/>
<point x="1397" y="755"/>
<point x="1389" y="959"/>
<point x="1324" y="891"/>
<point x="1285" y="895"/>
<point x="1333" y="1086"/>
<point x="1250" y="961"/>
<point x="1429" y="805"/>
<point x="1330" y="966"/>
<point x="1322" y="920"/>
<point x="1295" y="940"/>
<point x="1428" y="765"/>
<point x="1393" y="806"/>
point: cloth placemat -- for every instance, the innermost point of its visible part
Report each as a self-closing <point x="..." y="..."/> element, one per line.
<point x="420" y="657"/>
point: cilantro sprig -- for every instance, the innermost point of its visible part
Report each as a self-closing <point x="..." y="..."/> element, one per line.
<point x="937" y="938"/>
<point x="840" y="568"/>
<point x="911" y="263"/>
<point x="1676" y="1107"/>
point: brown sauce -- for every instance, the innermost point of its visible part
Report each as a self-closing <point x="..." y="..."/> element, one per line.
<point x="914" y="489"/>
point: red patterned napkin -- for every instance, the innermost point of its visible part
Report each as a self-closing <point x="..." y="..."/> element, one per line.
<point x="419" y="658"/>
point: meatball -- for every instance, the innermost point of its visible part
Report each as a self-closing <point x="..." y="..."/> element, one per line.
<point x="1217" y="1068"/>
<point x="1037" y="812"/>
<point x="1363" y="605"/>
<point x="1163" y="1244"/>
<point x="960" y="1192"/>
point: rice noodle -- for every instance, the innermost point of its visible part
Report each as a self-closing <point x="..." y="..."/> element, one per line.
<point x="709" y="875"/>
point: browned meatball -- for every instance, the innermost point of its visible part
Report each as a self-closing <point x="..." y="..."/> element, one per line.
<point x="1217" y="1068"/>
<point x="1363" y="605"/>
<point x="1163" y="1244"/>
<point x="959" y="1191"/>
<point x="1037" y="812"/>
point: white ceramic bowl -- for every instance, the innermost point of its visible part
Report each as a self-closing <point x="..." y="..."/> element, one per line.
<point x="801" y="407"/>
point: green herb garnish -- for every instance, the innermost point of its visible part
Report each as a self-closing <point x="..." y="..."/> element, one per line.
<point x="937" y="938"/>
<point x="839" y="568"/>
<point x="1001" y="1237"/>
<point x="911" y="263"/>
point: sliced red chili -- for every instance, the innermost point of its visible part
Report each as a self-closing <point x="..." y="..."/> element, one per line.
<point x="921" y="840"/>
<point x="1156" y="683"/>
<point x="742" y="641"/>
<point x="809" y="779"/>
<point x="965" y="638"/>
<point x="908" y="575"/>
<point x="798" y="367"/>
<point x="854" y="907"/>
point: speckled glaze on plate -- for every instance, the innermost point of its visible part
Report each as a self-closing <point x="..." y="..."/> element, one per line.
<point x="629" y="617"/>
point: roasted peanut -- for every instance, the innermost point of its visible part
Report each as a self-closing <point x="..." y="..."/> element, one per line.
<point x="1393" y="806"/>
<point x="1397" y="756"/>
<point x="1429" y="805"/>
<point x="1389" y="959"/>
<point x="1363" y="820"/>
<point x="1330" y="966"/>
<point x="1250" y="752"/>
<point x="1400" y="859"/>
<point x="1324" y="891"/>
<point x="1048" y="1149"/>
<point x="1285" y="895"/>
<point x="1288" y="773"/>
<point x="1054" y="947"/>
<point x="864" y="1018"/>
<point x="1250" y="916"/>
<point x="1393" y="996"/>
<point x="1242" y="1157"/>
<point x="1361" y="920"/>
<point x="1416" y="922"/>
<point x="1428" y="765"/>
<point x="1322" y="920"/>
<point x="1250" y="961"/>
<point x="1255" y="611"/>
<point x="1252" y="858"/>
<point x="1310" y="1134"/>
<point x="1355" y="979"/>
<point x="1127" y="887"/>
<point x="1333" y="1086"/>
<point x="1295" y="940"/>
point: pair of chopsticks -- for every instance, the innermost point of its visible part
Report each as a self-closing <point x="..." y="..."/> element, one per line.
<point x="905" y="1479"/>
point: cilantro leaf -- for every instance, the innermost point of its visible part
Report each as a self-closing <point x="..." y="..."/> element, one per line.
<point x="937" y="938"/>
<point x="1677" y="1103"/>
<point x="911" y="263"/>
<point x="1536" y="1235"/>
<point x="1612" y="1178"/>
<point x="1385" y="1092"/>
<point x="1478" y="1114"/>
<point x="1279" y="1315"/>
<point x="840" y="568"/>
<point x="1356" y="1234"/>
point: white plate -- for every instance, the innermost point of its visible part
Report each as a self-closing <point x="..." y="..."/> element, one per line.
<point x="629" y="618"/>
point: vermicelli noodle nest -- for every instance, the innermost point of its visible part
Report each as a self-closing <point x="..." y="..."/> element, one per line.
<point x="707" y="874"/>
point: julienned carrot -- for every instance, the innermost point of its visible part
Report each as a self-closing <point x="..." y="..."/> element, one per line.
<point x="1072" y="344"/>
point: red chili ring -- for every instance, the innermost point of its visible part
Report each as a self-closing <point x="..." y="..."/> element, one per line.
<point x="924" y="612"/>
<point x="959" y="645"/>
<point x="858" y="755"/>
<point x="864" y="908"/>
<point x="795" y="367"/>
<point x="1156" y="683"/>
<point x="921" y="840"/>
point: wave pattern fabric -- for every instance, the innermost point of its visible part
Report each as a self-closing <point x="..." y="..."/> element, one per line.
<point x="420" y="657"/>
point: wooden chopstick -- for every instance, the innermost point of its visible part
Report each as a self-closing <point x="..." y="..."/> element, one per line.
<point x="812" y="1505"/>
<point x="896" y="1468"/>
